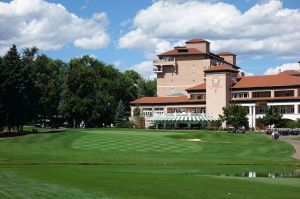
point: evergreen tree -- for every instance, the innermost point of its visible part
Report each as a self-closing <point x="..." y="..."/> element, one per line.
<point x="120" y="115"/>
<point x="14" y="89"/>
<point x="2" y="113"/>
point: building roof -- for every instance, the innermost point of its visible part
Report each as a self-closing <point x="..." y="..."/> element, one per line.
<point x="166" y="100"/>
<point x="290" y="72"/>
<point x="221" y="68"/>
<point x="182" y="51"/>
<point x="200" y="87"/>
<point x="226" y="53"/>
<point x="286" y="78"/>
<point x="196" y="40"/>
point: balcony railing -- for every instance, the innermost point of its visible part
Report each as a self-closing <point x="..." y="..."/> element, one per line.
<point x="157" y="69"/>
<point x="164" y="62"/>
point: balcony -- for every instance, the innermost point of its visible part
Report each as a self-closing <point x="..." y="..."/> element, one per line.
<point x="157" y="69"/>
<point x="164" y="62"/>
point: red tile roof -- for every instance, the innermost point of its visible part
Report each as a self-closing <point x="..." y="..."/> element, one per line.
<point x="226" y="53"/>
<point x="221" y="68"/>
<point x="180" y="51"/>
<point x="290" y="72"/>
<point x="199" y="87"/>
<point x="196" y="40"/>
<point x="166" y="100"/>
<point x="286" y="78"/>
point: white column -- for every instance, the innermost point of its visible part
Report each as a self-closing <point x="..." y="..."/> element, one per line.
<point x="296" y="108"/>
<point x="254" y="117"/>
<point x="250" y="117"/>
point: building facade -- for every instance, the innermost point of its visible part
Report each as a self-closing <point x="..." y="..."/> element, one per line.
<point x="194" y="84"/>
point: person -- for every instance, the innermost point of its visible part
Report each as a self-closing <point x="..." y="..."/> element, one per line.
<point x="275" y="135"/>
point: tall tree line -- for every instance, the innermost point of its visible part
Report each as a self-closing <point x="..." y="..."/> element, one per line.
<point x="34" y="86"/>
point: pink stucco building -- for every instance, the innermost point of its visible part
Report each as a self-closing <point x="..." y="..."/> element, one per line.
<point x="194" y="84"/>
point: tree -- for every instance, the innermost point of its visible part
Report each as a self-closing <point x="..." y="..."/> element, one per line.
<point x="17" y="88"/>
<point x="2" y="113"/>
<point x="120" y="115"/>
<point x="271" y="117"/>
<point x="146" y="87"/>
<point x="48" y="82"/>
<point x="79" y="93"/>
<point x="235" y="115"/>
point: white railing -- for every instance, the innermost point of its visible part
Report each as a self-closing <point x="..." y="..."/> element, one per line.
<point x="164" y="61"/>
<point x="183" y="114"/>
<point x="157" y="70"/>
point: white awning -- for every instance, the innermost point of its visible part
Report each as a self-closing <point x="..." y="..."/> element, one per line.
<point x="180" y="118"/>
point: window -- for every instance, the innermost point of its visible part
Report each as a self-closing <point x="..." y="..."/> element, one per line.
<point x="147" y="112"/>
<point x="286" y="109"/>
<point x="286" y="93"/>
<point x="158" y="111"/>
<point x="194" y="82"/>
<point x="260" y="109"/>
<point x="203" y="110"/>
<point x="240" y="95"/>
<point x="261" y="94"/>
<point x="198" y="96"/>
<point x="247" y="108"/>
<point x="172" y="90"/>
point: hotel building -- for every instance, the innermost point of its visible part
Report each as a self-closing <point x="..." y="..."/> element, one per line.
<point x="194" y="84"/>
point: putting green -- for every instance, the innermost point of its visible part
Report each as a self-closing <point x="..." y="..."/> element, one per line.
<point x="138" y="142"/>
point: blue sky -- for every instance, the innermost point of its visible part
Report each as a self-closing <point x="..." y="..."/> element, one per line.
<point x="263" y="33"/>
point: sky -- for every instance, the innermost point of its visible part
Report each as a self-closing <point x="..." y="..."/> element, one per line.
<point x="264" y="34"/>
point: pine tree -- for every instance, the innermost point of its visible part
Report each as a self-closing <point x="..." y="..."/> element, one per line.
<point x="120" y="116"/>
<point x="2" y="114"/>
<point x="16" y="85"/>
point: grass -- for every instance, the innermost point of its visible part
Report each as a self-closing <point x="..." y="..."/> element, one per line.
<point x="116" y="163"/>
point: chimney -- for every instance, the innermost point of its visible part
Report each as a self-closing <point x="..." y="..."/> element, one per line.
<point x="278" y="71"/>
<point x="228" y="57"/>
<point x="241" y="74"/>
<point x="199" y="44"/>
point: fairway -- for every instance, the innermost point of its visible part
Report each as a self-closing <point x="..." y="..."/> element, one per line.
<point x="117" y="163"/>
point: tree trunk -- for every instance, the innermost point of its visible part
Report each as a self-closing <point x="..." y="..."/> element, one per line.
<point x="74" y="124"/>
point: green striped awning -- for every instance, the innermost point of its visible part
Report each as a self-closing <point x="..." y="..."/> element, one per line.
<point x="194" y="119"/>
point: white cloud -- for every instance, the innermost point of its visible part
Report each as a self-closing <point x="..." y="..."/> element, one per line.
<point x="277" y="69"/>
<point x="49" y="26"/>
<point x="144" y="68"/>
<point x="265" y="29"/>
<point x="139" y="40"/>
<point x="117" y="63"/>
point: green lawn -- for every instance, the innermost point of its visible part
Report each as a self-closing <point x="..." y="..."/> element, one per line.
<point x="95" y="163"/>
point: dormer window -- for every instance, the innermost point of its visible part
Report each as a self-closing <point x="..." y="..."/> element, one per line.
<point x="182" y="50"/>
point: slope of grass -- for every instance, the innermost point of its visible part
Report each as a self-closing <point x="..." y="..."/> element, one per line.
<point x="116" y="163"/>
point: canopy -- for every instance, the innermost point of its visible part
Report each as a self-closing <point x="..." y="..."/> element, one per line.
<point x="183" y="118"/>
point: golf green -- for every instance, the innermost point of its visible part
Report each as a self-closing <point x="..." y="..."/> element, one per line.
<point x="117" y="163"/>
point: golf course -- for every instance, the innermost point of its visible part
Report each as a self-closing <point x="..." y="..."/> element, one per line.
<point x="134" y="164"/>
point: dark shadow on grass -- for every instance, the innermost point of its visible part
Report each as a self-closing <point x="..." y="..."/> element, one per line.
<point x="16" y="134"/>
